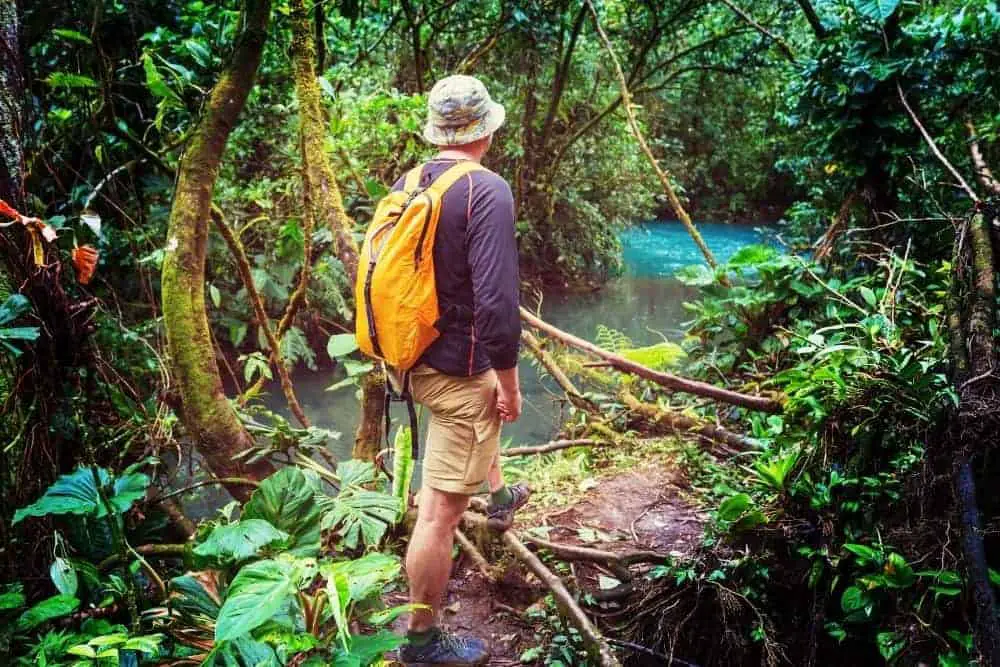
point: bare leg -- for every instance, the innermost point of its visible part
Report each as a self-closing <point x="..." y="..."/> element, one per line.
<point x="428" y="559"/>
<point x="495" y="475"/>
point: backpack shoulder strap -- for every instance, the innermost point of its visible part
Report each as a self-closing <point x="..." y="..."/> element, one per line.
<point x="452" y="175"/>
<point x="412" y="181"/>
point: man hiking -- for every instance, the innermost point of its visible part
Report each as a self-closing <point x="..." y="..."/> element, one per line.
<point x="467" y="378"/>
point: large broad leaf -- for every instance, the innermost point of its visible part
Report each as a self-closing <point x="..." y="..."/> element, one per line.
<point x="76" y="493"/>
<point x="240" y="541"/>
<point x="879" y="10"/>
<point x="286" y="500"/>
<point x="355" y="473"/>
<point x="341" y="345"/>
<point x="56" y="606"/>
<point x="259" y="591"/>
<point x="365" y="576"/>
<point x="196" y="597"/>
<point x="360" y="516"/>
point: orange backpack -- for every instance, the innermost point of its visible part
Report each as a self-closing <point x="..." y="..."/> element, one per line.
<point x="396" y="295"/>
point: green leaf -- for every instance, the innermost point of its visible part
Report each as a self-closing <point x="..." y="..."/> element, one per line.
<point x="216" y="296"/>
<point x="13" y="307"/>
<point x="286" y="501"/>
<point x="240" y="541"/>
<point x="878" y="10"/>
<point x="12" y="598"/>
<point x="864" y="553"/>
<point x="854" y="600"/>
<point x="354" y="472"/>
<point x="355" y="368"/>
<point x="56" y="606"/>
<point x="198" y="51"/>
<point x="71" y="35"/>
<point x="733" y="507"/>
<point x="341" y="345"/>
<point x="324" y="84"/>
<point x="868" y="295"/>
<point x="360" y="516"/>
<point x="76" y="493"/>
<point x="402" y="468"/>
<point x="365" y="576"/>
<point x="70" y="81"/>
<point x="368" y="648"/>
<point x="257" y="593"/>
<point x="64" y="576"/>
<point x="155" y="82"/>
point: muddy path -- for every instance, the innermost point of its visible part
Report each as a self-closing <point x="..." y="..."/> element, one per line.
<point x="637" y="510"/>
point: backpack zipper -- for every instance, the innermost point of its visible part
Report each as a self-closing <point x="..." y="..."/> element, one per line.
<point x="418" y="253"/>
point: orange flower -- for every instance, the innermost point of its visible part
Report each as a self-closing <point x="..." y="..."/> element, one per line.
<point x="85" y="261"/>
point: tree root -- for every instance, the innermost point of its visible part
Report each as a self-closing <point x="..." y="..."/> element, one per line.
<point x="675" y="382"/>
<point x="594" y="642"/>
<point x="475" y="554"/>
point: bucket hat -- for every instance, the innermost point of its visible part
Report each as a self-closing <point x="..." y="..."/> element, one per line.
<point x="460" y="111"/>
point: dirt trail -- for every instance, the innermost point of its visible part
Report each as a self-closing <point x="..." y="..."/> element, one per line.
<point x="635" y="510"/>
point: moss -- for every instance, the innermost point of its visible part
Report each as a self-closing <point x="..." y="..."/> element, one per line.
<point x="324" y="200"/>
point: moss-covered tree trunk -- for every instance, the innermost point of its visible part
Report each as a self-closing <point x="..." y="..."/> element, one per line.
<point x="324" y="205"/>
<point x="218" y="434"/>
<point x="321" y="193"/>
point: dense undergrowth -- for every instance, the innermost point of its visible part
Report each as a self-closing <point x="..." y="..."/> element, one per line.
<point x="835" y="535"/>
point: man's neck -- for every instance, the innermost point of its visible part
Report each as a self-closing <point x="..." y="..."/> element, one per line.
<point x="457" y="154"/>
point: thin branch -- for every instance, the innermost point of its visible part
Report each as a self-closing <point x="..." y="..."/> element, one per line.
<point x="782" y="44"/>
<point x="979" y="162"/>
<point x="933" y="145"/>
<point x="675" y="202"/>
<point x="592" y="639"/>
<point x="243" y="266"/>
<point x="207" y="482"/>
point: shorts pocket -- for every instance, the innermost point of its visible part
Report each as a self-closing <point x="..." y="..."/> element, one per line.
<point x="485" y="448"/>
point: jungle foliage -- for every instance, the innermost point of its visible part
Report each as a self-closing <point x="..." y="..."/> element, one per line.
<point x="842" y="535"/>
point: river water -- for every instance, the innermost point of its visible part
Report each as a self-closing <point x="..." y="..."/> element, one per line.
<point x="645" y="303"/>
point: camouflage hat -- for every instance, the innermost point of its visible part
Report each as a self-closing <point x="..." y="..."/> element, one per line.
<point x="460" y="111"/>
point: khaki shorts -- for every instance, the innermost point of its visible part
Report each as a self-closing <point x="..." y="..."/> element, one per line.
<point x="463" y="435"/>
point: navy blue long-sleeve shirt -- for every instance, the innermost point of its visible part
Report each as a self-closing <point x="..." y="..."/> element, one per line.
<point x="476" y="271"/>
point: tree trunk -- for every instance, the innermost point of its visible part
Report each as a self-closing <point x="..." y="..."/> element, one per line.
<point x="323" y="200"/>
<point x="11" y="97"/>
<point x="368" y="438"/>
<point x="218" y="434"/>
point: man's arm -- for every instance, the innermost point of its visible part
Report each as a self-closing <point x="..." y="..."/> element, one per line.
<point x="492" y="253"/>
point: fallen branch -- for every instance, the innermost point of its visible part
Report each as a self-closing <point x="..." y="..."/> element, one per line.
<point x="591" y="555"/>
<point x="668" y="189"/>
<point x="675" y="382"/>
<point x="680" y="423"/>
<point x="553" y="446"/>
<point x="568" y="607"/>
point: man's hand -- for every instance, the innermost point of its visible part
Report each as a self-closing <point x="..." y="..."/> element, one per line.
<point x="508" y="395"/>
